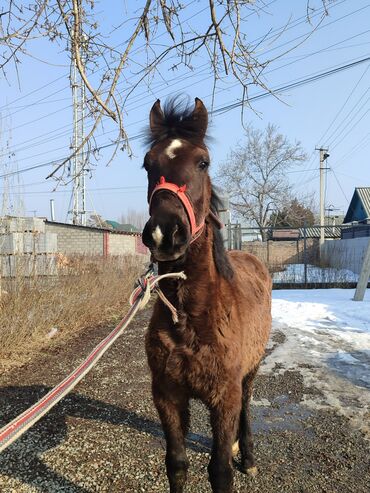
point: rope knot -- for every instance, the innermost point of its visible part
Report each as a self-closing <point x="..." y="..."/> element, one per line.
<point x="149" y="283"/>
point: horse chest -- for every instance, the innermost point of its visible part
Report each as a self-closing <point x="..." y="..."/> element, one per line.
<point x="201" y="368"/>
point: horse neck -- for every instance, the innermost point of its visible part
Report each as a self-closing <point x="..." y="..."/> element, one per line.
<point x="197" y="291"/>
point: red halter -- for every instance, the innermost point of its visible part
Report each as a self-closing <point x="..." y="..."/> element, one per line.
<point x="180" y="193"/>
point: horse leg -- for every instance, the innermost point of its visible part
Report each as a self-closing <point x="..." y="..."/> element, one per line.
<point x="245" y="431"/>
<point x="224" y="421"/>
<point x="173" y="411"/>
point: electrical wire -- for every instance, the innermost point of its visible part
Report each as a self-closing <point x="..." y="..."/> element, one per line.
<point x="66" y="132"/>
<point x="339" y="185"/>
<point x="207" y="64"/>
<point x="343" y="105"/>
<point x="223" y="109"/>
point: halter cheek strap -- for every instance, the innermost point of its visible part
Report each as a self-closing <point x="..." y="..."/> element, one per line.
<point x="180" y="193"/>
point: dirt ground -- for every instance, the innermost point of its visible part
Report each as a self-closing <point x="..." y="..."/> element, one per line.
<point x="105" y="436"/>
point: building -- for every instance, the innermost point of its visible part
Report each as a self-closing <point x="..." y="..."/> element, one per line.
<point x="359" y="207"/>
<point x="34" y="245"/>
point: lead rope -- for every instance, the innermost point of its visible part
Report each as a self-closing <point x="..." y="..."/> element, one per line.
<point x="138" y="300"/>
<point x="148" y="283"/>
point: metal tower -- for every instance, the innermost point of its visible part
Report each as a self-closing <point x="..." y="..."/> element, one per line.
<point x="78" y="168"/>
<point x="12" y="197"/>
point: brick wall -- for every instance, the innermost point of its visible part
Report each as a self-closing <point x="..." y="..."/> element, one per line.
<point x="283" y="252"/>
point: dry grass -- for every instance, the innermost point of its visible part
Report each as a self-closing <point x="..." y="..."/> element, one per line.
<point x="40" y="312"/>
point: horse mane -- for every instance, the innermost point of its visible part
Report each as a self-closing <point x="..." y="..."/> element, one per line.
<point x="221" y="259"/>
<point x="177" y="123"/>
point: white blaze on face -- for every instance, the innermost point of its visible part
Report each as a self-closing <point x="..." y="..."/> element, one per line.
<point x="175" y="144"/>
<point x="157" y="236"/>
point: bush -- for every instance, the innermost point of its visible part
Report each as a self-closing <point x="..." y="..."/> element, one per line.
<point x="38" y="312"/>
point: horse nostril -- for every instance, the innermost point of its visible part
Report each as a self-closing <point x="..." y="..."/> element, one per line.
<point x="147" y="235"/>
<point x="175" y="230"/>
<point x="179" y="236"/>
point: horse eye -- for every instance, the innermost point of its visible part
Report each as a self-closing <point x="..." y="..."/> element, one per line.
<point x="203" y="165"/>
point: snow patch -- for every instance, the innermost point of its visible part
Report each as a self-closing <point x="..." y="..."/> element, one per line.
<point x="328" y="342"/>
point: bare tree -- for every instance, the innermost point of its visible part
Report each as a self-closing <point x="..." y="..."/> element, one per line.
<point x="96" y="221"/>
<point x="220" y="34"/>
<point x="294" y="214"/>
<point x="255" y="176"/>
<point x="134" y="217"/>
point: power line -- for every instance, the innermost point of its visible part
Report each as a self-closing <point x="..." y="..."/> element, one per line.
<point x="353" y="126"/>
<point x="296" y="84"/>
<point x="344" y="104"/>
<point x="138" y="97"/>
<point x="339" y="185"/>
<point x="93" y="72"/>
<point x="319" y="28"/>
<point x="129" y="189"/>
<point x="271" y="35"/>
<point x="363" y="142"/>
<point x="33" y="92"/>
<point x="180" y="78"/>
<point x="335" y="135"/>
<point x="225" y="108"/>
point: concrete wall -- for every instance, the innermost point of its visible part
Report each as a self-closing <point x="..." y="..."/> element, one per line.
<point x="121" y="244"/>
<point x="28" y="265"/>
<point x="26" y="249"/>
<point x="74" y="240"/>
<point x="345" y="254"/>
<point x="82" y="240"/>
<point x="30" y="246"/>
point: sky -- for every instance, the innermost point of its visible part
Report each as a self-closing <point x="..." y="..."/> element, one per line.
<point x="334" y="112"/>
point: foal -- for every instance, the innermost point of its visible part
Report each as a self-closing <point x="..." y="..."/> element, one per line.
<point x="213" y="351"/>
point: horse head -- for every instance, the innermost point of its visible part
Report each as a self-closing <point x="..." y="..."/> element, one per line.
<point x="179" y="187"/>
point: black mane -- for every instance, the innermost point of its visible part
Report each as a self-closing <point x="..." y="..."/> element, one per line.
<point x="177" y="123"/>
<point x="222" y="261"/>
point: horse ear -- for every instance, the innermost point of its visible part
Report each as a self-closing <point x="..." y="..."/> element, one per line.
<point x="200" y="117"/>
<point x="156" y="117"/>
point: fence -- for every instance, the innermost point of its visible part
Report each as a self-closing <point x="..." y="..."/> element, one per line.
<point x="294" y="257"/>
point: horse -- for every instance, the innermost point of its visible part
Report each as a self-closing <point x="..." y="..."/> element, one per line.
<point x="213" y="349"/>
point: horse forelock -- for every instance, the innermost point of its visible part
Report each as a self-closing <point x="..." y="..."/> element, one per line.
<point x="177" y="123"/>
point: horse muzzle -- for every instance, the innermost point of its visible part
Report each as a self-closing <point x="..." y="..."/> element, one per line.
<point x="167" y="239"/>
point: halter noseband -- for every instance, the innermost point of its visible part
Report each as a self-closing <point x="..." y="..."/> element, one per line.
<point x="180" y="193"/>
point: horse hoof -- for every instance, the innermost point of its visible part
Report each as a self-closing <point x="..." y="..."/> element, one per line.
<point x="252" y="471"/>
<point x="235" y="448"/>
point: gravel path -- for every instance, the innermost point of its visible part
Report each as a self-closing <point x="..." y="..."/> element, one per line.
<point x="105" y="436"/>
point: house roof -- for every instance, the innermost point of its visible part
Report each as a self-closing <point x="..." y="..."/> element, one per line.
<point x="130" y="228"/>
<point x="113" y="231"/>
<point x="361" y="194"/>
<point x="311" y="232"/>
<point x="314" y="232"/>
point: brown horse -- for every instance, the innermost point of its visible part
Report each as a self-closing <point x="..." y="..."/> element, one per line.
<point x="224" y="306"/>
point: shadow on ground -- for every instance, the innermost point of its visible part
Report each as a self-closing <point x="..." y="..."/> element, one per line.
<point x="52" y="430"/>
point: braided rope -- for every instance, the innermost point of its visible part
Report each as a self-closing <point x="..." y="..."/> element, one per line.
<point x="138" y="300"/>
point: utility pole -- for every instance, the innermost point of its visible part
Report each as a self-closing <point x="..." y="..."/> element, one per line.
<point x="78" y="170"/>
<point x="364" y="276"/>
<point x="323" y="157"/>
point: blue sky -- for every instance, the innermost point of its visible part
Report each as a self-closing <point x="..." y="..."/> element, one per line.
<point x="333" y="112"/>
